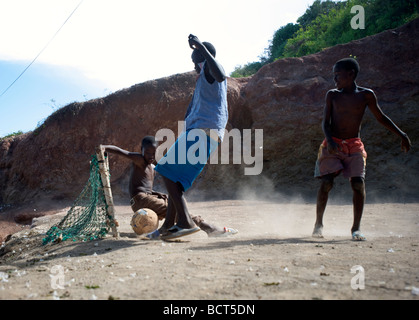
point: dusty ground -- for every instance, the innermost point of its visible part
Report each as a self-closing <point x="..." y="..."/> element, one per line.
<point x="272" y="257"/>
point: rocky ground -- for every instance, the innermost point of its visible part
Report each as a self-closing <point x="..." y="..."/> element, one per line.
<point x="272" y="257"/>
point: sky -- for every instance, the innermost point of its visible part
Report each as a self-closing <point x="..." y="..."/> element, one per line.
<point x="107" y="45"/>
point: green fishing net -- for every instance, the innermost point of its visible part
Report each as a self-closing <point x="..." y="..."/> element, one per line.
<point x="88" y="218"/>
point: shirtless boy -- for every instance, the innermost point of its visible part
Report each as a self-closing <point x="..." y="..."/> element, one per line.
<point x="342" y="149"/>
<point x="141" y="187"/>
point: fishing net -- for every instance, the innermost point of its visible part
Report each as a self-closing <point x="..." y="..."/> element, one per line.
<point x="90" y="216"/>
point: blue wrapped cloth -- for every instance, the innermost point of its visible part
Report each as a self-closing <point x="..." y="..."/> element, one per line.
<point x="187" y="157"/>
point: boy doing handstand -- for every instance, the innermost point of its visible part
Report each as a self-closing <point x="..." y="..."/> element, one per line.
<point x="342" y="149"/>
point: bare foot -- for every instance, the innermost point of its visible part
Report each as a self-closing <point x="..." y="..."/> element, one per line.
<point x="358" y="236"/>
<point x="223" y="232"/>
<point x="318" y="232"/>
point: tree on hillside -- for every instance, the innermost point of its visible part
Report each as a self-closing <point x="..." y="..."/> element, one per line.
<point x="318" y="8"/>
<point x="334" y="27"/>
<point x="276" y="47"/>
<point x="327" y="23"/>
<point x="280" y="38"/>
<point x="246" y="70"/>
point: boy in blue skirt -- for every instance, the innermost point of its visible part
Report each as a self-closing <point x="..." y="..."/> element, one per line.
<point x="206" y="113"/>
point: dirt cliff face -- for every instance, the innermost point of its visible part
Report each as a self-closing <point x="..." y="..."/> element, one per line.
<point x="53" y="160"/>
<point x="285" y="99"/>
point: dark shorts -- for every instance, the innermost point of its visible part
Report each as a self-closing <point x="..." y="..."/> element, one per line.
<point x="150" y="201"/>
<point x="350" y="160"/>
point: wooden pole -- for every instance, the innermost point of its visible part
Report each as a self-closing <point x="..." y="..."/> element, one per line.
<point x="104" y="174"/>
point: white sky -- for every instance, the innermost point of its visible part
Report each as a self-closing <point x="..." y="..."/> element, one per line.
<point x="112" y="44"/>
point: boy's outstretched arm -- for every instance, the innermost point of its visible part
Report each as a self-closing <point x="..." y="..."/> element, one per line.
<point x="133" y="156"/>
<point x="386" y="121"/>
<point x="115" y="149"/>
<point x="215" y="68"/>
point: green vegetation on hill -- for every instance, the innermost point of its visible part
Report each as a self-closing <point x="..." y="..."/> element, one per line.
<point x="17" y="133"/>
<point x="327" y="23"/>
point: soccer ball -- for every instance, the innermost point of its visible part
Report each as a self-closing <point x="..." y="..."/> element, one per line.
<point x="144" y="221"/>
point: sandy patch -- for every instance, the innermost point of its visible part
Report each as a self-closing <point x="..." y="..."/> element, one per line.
<point x="272" y="257"/>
